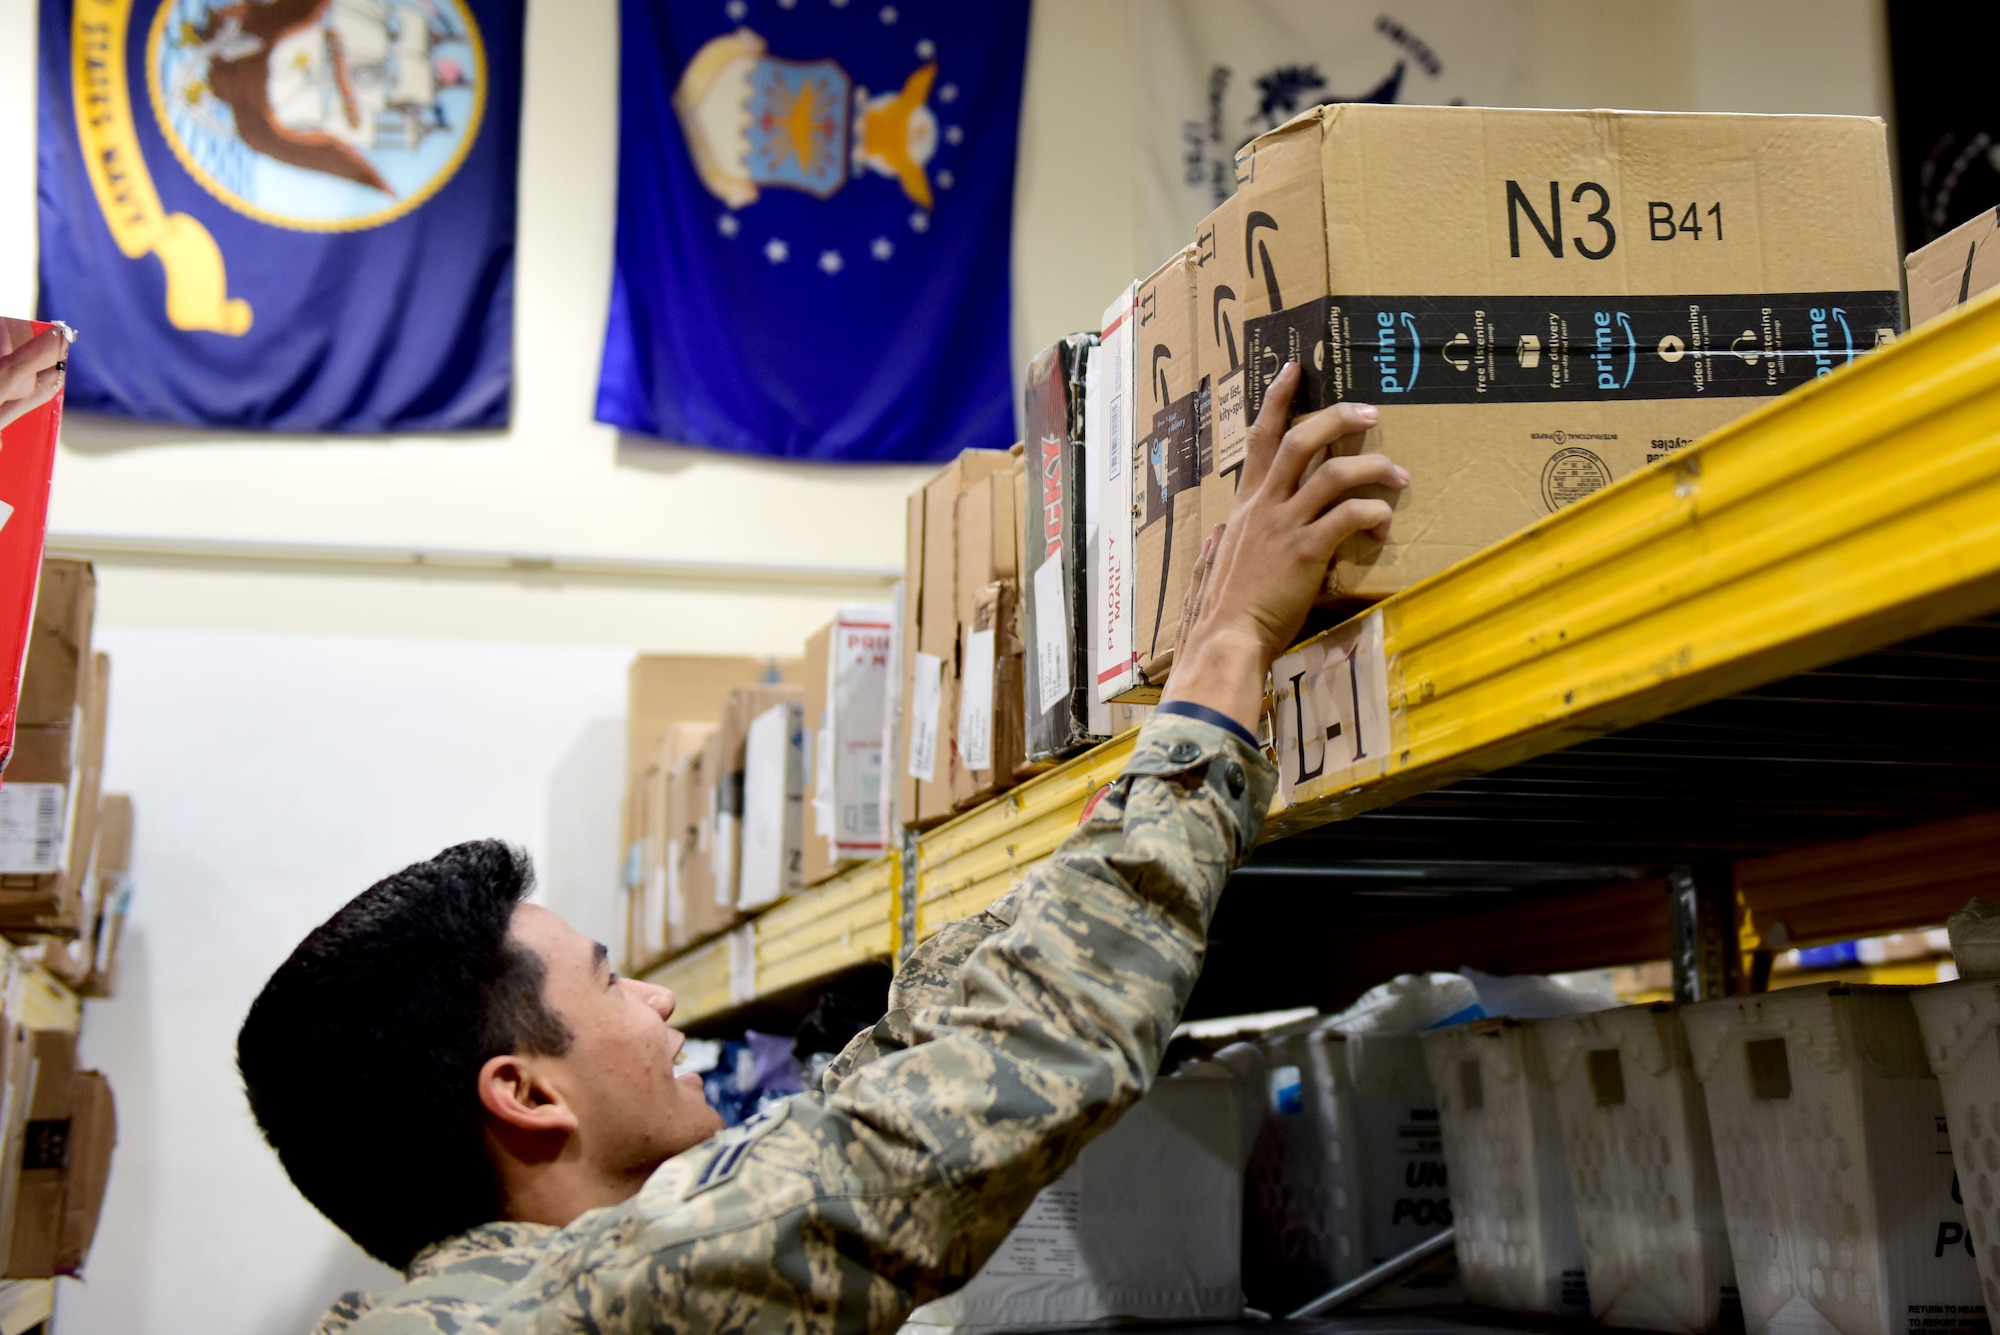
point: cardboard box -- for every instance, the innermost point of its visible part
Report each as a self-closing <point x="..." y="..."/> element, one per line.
<point x="1227" y="292"/>
<point x="691" y="842"/>
<point x="773" y="806"/>
<point x="989" y="539"/>
<point x="1956" y="267"/>
<point x="1166" y="472"/>
<point x="991" y="735"/>
<point x="930" y="678"/>
<point x="726" y="776"/>
<point x="847" y="716"/>
<point x="17" y="1089"/>
<point x="1110" y="412"/>
<point x="112" y="871"/>
<point x="1958" y="1021"/>
<point x="650" y="941"/>
<point x="1543" y="302"/>
<point x="57" y="681"/>
<point x="1054" y="557"/>
<point x="39" y="1190"/>
<point x="27" y="458"/>
<point x="662" y="689"/>
<point x="49" y="813"/>
<point x="93" y="1134"/>
<point x="816" y="848"/>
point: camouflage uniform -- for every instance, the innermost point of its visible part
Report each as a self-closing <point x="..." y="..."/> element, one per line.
<point x="1012" y="1039"/>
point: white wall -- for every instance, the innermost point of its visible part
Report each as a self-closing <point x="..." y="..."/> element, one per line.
<point x="274" y="777"/>
<point x="291" y="737"/>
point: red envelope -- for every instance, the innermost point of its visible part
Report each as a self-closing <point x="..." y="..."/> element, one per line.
<point x="27" y="459"/>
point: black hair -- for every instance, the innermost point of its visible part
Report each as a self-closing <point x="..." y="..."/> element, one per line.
<point x="361" y="1056"/>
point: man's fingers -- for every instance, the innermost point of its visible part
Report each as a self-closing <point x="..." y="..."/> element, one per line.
<point x="1353" y="515"/>
<point x="1311" y="437"/>
<point x="46" y="385"/>
<point x="19" y="368"/>
<point x="1267" y="430"/>
<point x="1345" y="473"/>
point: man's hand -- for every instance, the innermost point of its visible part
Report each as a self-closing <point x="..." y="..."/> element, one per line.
<point x="1257" y="575"/>
<point x="31" y="367"/>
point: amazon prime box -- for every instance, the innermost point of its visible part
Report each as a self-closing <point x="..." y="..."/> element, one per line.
<point x="1053" y="563"/>
<point x="1956" y="267"/>
<point x="1543" y="302"/>
<point x="1172" y="444"/>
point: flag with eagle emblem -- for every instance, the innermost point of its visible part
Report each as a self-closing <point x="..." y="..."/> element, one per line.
<point x="292" y="215"/>
<point x="815" y="206"/>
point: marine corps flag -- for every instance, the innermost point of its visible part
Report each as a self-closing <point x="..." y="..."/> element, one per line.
<point x="814" y="212"/>
<point x="295" y="215"/>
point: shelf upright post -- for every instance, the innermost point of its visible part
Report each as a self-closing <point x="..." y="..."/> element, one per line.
<point x="906" y="897"/>
<point x="1701" y="904"/>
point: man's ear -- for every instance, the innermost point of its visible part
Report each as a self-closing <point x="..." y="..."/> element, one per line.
<point x="514" y="1092"/>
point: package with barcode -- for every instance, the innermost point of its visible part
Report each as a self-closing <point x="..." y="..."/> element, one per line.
<point x="1146" y="1225"/>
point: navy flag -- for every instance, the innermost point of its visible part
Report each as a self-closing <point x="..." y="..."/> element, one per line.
<point x="815" y="204"/>
<point x="295" y="215"/>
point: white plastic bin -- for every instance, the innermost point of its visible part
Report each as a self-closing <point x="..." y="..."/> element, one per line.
<point x="1518" y="1245"/>
<point x="1961" y="1028"/>
<point x="1642" y="1169"/>
<point x="1147" y="1224"/>
<point x="1835" y="1165"/>
<point x="1348" y="1168"/>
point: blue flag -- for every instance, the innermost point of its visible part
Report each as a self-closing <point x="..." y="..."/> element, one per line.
<point x="814" y="213"/>
<point x="295" y="215"/>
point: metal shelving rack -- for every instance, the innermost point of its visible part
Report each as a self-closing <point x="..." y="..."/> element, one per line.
<point x="1753" y="681"/>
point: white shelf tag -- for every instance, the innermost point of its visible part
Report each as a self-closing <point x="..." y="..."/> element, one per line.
<point x="1331" y="716"/>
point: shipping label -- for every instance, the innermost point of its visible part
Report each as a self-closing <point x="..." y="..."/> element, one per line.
<point x="31" y="827"/>
<point x="975" y="704"/>
<point x="1045" y="1242"/>
<point x="1051" y="633"/>
<point x="926" y="696"/>
<point x="1569" y="349"/>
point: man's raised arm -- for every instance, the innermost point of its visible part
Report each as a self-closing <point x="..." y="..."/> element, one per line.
<point x="841" y="1211"/>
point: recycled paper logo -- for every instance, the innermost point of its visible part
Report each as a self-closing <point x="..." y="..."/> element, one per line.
<point x="315" y="115"/>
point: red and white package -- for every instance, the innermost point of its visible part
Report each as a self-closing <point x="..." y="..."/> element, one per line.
<point x="27" y="460"/>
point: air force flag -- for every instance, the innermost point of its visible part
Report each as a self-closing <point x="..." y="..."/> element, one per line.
<point x="814" y="210"/>
<point x="288" y="214"/>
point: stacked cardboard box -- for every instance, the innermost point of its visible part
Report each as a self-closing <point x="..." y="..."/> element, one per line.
<point x="1542" y="302"/>
<point x="1956" y="267"/>
<point x="1173" y="452"/>
<point x="849" y="668"/>
<point x="61" y="1126"/>
<point x="926" y="791"/>
<point x="987" y="738"/>
<point x="49" y="801"/>
<point x="665" y="690"/>
<point x="773" y="807"/>
<point x="723" y="763"/>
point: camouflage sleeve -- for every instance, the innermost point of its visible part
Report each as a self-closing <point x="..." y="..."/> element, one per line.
<point x="932" y="976"/>
<point x="841" y="1211"/>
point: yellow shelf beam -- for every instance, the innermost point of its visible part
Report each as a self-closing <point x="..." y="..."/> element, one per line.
<point x="1857" y="512"/>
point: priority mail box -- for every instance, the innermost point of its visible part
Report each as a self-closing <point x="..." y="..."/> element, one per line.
<point x="1956" y="267"/>
<point x="1054" y="561"/>
<point x="1166" y="467"/>
<point x="1543" y="302"/>
<point x="850" y="669"/>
